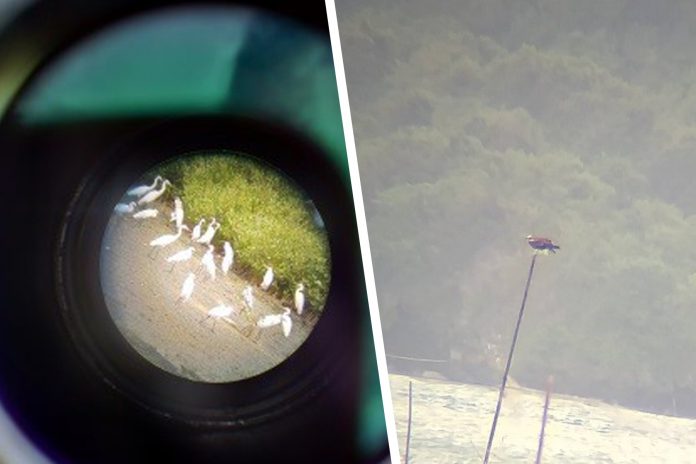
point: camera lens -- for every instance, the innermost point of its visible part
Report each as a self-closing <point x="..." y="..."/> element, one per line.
<point x="215" y="266"/>
<point x="147" y="132"/>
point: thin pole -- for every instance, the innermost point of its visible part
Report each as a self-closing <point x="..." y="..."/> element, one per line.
<point x="408" y="429"/>
<point x="509" y="362"/>
<point x="549" y="386"/>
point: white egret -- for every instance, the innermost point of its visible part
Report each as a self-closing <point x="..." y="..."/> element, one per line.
<point x="178" y="214"/>
<point x="299" y="299"/>
<point x="143" y="189"/>
<point x="146" y="214"/>
<point x="209" y="233"/>
<point x="248" y="294"/>
<point x="228" y="259"/>
<point x="209" y="261"/>
<point x="196" y="234"/>
<point x="220" y="311"/>
<point x="123" y="208"/>
<point x="267" y="279"/>
<point x="164" y="240"/>
<point x="153" y="195"/>
<point x="181" y="256"/>
<point x="187" y="288"/>
<point x="274" y="319"/>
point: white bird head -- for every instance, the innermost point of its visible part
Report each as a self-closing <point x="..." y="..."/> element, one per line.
<point x="286" y="311"/>
<point x="528" y="237"/>
<point x="300" y="287"/>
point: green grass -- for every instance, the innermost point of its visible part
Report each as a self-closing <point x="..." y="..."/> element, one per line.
<point x="264" y="216"/>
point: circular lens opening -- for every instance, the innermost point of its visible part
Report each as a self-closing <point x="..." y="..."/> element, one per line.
<point x="215" y="266"/>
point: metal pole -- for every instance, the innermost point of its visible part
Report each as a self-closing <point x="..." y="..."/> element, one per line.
<point x="549" y="386"/>
<point x="408" y="429"/>
<point x="509" y="362"/>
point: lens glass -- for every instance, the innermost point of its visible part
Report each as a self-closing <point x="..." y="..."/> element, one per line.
<point x="215" y="266"/>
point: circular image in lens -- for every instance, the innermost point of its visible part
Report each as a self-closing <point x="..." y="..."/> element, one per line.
<point x="215" y="266"/>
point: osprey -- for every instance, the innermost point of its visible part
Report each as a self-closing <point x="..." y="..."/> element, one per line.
<point x="542" y="244"/>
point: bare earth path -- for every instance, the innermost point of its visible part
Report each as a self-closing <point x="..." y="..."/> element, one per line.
<point x="141" y="295"/>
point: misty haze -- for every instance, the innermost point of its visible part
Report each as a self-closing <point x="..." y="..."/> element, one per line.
<point x="478" y="123"/>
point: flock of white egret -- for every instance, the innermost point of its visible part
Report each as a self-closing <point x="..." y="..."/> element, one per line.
<point x="141" y="208"/>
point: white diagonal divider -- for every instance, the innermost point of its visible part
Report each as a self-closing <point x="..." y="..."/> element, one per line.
<point x="362" y="231"/>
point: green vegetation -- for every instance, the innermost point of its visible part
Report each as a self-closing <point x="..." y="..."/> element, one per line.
<point x="478" y="122"/>
<point x="263" y="215"/>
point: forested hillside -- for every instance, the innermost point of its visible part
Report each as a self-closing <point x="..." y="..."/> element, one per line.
<point x="479" y="122"/>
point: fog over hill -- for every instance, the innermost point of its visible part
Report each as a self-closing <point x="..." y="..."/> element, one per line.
<point x="479" y="122"/>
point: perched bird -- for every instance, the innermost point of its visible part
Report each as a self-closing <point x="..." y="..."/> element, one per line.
<point x="208" y="261"/>
<point x="209" y="233"/>
<point x="153" y="195"/>
<point x="196" y="234"/>
<point x="123" y="208"/>
<point x="219" y="312"/>
<point x="183" y="255"/>
<point x="164" y="240"/>
<point x="143" y="189"/>
<point x="299" y="299"/>
<point x="275" y="319"/>
<point x="542" y="244"/>
<point x="248" y="294"/>
<point x="267" y="279"/>
<point x="187" y="288"/>
<point x="228" y="258"/>
<point x="146" y="214"/>
<point x="178" y="213"/>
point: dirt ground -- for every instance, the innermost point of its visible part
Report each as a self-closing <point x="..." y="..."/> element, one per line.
<point x="141" y="293"/>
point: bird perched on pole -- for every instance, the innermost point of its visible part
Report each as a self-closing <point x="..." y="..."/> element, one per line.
<point x="542" y="244"/>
